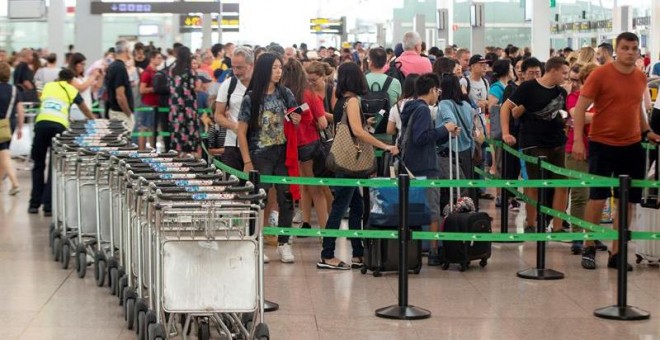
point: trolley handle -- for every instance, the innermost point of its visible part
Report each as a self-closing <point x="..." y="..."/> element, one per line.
<point x="249" y="187"/>
<point x="257" y="197"/>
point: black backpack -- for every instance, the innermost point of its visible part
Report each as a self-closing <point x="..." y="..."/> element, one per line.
<point x="395" y="71"/>
<point x="377" y="102"/>
<point x="161" y="85"/>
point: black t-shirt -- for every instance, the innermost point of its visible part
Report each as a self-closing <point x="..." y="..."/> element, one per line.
<point x="117" y="76"/>
<point x="142" y="64"/>
<point x="23" y="73"/>
<point x="5" y="98"/>
<point x="541" y="125"/>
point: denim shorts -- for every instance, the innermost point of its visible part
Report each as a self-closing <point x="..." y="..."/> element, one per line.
<point x="144" y="120"/>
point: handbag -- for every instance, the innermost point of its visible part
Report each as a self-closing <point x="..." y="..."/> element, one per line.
<point x="5" y="126"/>
<point x="348" y="154"/>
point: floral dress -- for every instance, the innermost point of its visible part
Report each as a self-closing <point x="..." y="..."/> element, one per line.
<point x="184" y="125"/>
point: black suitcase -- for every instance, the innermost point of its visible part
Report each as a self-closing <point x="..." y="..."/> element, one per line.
<point x="382" y="255"/>
<point x="462" y="252"/>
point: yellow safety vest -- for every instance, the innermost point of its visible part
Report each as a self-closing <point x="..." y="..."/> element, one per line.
<point x="56" y="98"/>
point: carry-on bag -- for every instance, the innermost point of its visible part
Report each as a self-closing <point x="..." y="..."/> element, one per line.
<point x="462" y="218"/>
<point x="647" y="216"/>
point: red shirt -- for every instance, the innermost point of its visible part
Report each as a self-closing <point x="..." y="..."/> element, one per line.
<point x="571" y="101"/>
<point x="150" y="99"/>
<point x="307" y="131"/>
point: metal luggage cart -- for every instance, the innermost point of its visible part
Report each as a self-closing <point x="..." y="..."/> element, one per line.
<point x="213" y="238"/>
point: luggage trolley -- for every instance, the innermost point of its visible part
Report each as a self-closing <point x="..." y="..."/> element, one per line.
<point x="214" y="239"/>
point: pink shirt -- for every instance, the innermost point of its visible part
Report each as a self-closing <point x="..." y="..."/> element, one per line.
<point x="412" y="62"/>
<point x="571" y="101"/>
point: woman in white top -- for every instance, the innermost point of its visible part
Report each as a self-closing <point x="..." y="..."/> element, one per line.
<point x="84" y="84"/>
<point x="48" y="73"/>
<point x="409" y="93"/>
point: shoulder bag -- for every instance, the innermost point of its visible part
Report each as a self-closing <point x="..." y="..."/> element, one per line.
<point x="477" y="157"/>
<point x="348" y="154"/>
<point x="5" y="128"/>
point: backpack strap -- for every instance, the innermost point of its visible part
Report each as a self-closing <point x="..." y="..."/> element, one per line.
<point x="233" y="81"/>
<point x="10" y="108"/>
<point x="387" y="83"/>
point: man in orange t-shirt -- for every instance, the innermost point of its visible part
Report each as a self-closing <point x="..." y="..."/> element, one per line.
<point x="616" y="90"/>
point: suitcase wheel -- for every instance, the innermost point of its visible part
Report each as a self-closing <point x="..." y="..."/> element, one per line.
<point x="416" y="271"/>
<point x="363" y="270"/>
<point x="444" y="265"/>
<point x="377" y="273"/>
<point x="483" y="262"/>
<point x="639" y="259"/>
<point x="463" y="266"/>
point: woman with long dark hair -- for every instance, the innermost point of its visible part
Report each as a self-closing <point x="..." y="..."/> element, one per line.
<point x="309" y="141"/>
<point x="84" y="84"/>
<point x="351" y="83"/>
<point x="262" y="122"/>
<point x="409" y="93"/>
<point x="184" y="124"/>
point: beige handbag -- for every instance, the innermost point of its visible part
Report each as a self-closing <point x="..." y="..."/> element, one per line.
<point x="5" y="128"/>
<point x="348" y="154"/>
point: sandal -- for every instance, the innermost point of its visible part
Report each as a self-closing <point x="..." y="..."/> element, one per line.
<point x="357" y="262"/>
<point x="339" y="266"/>
<point x="14" y="191"/>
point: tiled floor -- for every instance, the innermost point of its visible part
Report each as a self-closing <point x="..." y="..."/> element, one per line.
<point x="38" y="300"/>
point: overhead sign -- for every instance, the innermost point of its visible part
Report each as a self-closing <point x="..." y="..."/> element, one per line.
<point x="98" y="7"/>
<point x="194" y="23"/>
<point x="326" y="26"/>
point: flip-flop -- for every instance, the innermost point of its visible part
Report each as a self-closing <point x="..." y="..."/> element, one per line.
<point x="340" y="266"/>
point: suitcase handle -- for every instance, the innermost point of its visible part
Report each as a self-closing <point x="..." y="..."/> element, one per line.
<point x="451" y="171"/>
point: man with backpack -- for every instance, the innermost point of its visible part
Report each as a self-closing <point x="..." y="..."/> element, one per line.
<point x="383" y="90"/>
<point x="228" y="103"/>
<point x="410" y="61"/>
<point x="161" y="87"/>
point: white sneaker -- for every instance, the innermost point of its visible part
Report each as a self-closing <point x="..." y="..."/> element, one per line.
<point x="266" y="258"/>
<point x="273" y="218"/>
<point x="297" y="218"/>
<point x="286" y="255"/>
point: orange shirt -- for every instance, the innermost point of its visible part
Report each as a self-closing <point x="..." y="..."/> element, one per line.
<point x="617" y="103"/>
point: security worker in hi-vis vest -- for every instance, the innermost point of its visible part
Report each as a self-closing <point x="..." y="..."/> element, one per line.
<point x="53" y="118"/>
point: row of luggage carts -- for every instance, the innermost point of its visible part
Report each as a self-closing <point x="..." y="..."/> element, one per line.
<point x="177" y="241"/>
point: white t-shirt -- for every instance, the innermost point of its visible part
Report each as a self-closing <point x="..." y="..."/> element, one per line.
<point x="234" y="106"/>
<point x="478" y="89"/>
<point x="76" y="113"/>
<point x="395" y="114"/>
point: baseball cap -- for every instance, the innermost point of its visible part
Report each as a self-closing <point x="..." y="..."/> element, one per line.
<point x="477" y="58"/>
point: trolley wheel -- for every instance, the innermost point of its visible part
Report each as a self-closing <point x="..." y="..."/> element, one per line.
<point x="483" y="262"/>
<point x="113" y="277"/>
<point x="444" y="265"/>
<point x="129" y="314"/>
<point x="156" y="331"/>
<point x="638" y="259"/>
<point x="81" y="261"/>
<point x="363" y="270"/>
<point x="377" y="273"/>
<point x="65" y="255"/>
<point x="51" y="235"/>
<point x="57" y="249"/>
<point x="203" y="330"/>
<point x="99" y="272"/>
<point x="123" y="286"/>
<point x="463" y="266"/>
<point x="262" y="333"/>
<point x="140" y="325"/>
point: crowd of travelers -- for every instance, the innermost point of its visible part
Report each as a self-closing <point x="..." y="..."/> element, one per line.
<point x="276" y="109"/>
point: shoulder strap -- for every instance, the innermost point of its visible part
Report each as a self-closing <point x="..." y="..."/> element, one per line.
<point x="467" y="82"/>
<point x="387" y="83"/>
<point x="11" y="102"/>
<point x="485" y="83"/>
<point x="458" y="116"/>
<point x="233" y="81"/>
<point x="344" y="117"/>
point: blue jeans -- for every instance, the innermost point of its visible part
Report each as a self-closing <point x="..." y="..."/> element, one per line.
<point x="270" y="161"/>
<point x="344" y="197"/>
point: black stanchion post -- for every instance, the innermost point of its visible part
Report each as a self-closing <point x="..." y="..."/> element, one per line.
<point x="504" y="200"/>
<point x="621" y="311"/>
<point x="540" y="272"/>
<point x="254" y="178"/>
<point x="403" y="311"/>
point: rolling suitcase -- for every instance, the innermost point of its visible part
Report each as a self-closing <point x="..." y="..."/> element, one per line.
<point x="462" y="218"/>
<point x="382" y="255"/>
<point x="647" y="217"/>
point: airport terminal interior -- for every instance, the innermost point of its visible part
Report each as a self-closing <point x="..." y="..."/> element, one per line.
<point x="166" y="242"/>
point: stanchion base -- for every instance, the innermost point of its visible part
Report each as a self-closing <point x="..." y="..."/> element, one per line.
<point x="270" y="306"/>
<point x="628" y="313"/>
<point x="403" y="313"/>
<point x="540" y="274"/>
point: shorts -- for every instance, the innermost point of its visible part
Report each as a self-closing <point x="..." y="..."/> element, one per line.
<point x="555" y="156"/>
<point x="119" y="115"/>
<point x="144" y="120"/>
<point x="308" y="152"/>
<point x="433" y="201"/>
<point x="613" y="161"/>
